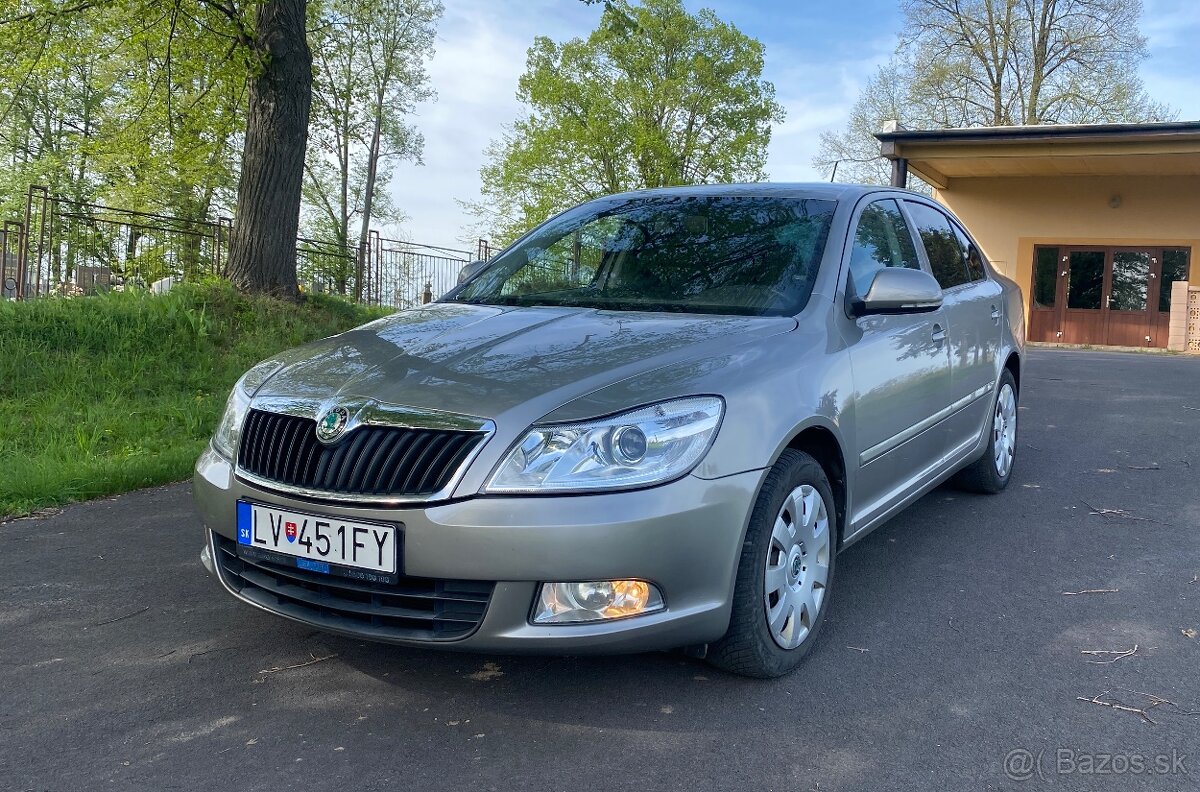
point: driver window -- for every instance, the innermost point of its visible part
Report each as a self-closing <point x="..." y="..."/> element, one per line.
<point x="881" y="240"/>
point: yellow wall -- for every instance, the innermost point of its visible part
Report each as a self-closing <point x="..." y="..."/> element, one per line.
<point x="1008" y="216"/>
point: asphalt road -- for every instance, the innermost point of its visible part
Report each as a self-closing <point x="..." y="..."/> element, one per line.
<point x="952" y="643"/>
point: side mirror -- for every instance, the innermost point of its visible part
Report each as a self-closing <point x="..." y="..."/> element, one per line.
<point x="470" y="270"/>
<point x="897" y="290"/>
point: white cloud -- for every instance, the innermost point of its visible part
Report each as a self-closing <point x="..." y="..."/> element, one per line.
<point x="817" y="95"/>
<point x="1172" y="28"/>
<point x="480" y="56"/>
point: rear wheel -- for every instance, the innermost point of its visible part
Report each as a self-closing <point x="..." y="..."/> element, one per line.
<point x="992" y="471"/>
<point x="785" y="573"/>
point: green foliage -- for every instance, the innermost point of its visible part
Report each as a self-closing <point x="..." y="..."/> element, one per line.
<point x="172" y="140"/>
<point x="655" y="96"/>
<point x="109" y="393"/>
<point x="139" y="104"/>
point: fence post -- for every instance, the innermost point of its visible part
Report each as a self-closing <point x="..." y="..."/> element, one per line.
<point x="23" y="245"/>
<point x="377" y="258"/>
<point x="14" y="233"/>
<point x="4" y="290"/>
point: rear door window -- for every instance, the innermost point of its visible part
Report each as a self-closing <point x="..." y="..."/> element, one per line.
<point x="942" y="247"/>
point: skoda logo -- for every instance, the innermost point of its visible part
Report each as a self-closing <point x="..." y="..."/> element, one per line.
<point x="332" y="424"/>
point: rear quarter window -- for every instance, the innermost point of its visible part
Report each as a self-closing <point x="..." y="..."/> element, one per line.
<point x="975" y="268"/>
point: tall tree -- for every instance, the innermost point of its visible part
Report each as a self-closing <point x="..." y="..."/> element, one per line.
<point x="370" y="58"/>
<point x="998" y="63"/>
<point x="655" y="96"/>
<point x="262" y="254"/>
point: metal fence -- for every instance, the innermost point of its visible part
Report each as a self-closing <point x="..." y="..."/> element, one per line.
<point x="73" y="247"/>
<point x="64" y="247"/>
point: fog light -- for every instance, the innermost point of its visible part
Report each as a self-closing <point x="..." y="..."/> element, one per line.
<point x="559" y="603"/>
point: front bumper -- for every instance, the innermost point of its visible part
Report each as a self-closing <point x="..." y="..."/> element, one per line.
<point x="685" y="537"/>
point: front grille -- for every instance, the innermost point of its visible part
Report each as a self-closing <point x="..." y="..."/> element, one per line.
<point x="422" y="609"/>
<point x="384" y="461"/>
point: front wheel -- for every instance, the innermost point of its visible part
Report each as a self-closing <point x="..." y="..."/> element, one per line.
<point x="992" y="471"/>
<point x="785" y="573"/>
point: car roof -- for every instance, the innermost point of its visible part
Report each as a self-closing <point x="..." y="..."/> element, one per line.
<point x="819" y="190"/>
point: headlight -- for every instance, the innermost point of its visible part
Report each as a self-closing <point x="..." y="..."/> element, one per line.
<point x="648" y="445"/>
<point x="229" y="430"/>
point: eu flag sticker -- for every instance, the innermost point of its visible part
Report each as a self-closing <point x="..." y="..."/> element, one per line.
<point x="314" y="566"/>
<point x="245" y="523"/>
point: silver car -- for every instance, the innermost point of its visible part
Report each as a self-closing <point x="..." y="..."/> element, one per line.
<point x="650" y="423"/>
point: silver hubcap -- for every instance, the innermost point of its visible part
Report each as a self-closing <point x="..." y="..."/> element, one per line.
<point x="797" y="566"/>
<point x="1004" y="430"/>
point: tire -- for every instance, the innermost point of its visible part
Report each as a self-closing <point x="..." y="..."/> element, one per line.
<point x="801" y="575"/>
<point x="991" y="472"/>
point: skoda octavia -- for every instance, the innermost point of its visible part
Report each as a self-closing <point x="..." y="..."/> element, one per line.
<point x="652" y="422"/>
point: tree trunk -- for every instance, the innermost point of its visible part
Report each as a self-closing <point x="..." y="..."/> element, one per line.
<point x="368" y="200"/>
<point x="262" y="256"/>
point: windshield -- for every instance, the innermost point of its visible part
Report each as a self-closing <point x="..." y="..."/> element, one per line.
<point x="700" y="254"/>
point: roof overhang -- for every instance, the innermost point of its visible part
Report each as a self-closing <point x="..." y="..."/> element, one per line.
<point x="941" y="155"/>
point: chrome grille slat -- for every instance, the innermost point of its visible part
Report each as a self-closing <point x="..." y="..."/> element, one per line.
<point x="350" y="450"/>
<point x="336" y="455"/>
<point x="415" y="469"/>
<point x="290" y="438"/>
<point x="270" y="436"/>
<point x="303" y="455"/>
<point x="437" y="463"/>
<point x="374" y="464"/>
<point x="393" y="462"/>
<point x="461" y="456"/>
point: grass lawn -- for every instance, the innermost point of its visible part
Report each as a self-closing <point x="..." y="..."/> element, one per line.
<point x="105" y="394"/>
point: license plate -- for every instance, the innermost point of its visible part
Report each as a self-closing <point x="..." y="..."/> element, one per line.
<point x="317" y="540"/>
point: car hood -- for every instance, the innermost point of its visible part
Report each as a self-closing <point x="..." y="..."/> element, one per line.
<point x="512" y="365"/>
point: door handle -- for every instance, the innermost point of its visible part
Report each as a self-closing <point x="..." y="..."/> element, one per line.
<point x="995" y="314"/>
<point x="939" y="334"/>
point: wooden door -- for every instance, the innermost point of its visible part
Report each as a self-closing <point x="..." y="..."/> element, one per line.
<point x="1046" y="294"/>
<point x="1084" y="307"/>
<point x="1131" y="294"/>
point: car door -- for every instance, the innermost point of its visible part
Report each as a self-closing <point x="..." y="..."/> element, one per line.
<point x="901" y="372"/>
<point x="974" y="310"/>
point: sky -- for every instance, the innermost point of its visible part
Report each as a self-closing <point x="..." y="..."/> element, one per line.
<point x="818" y="56"/>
